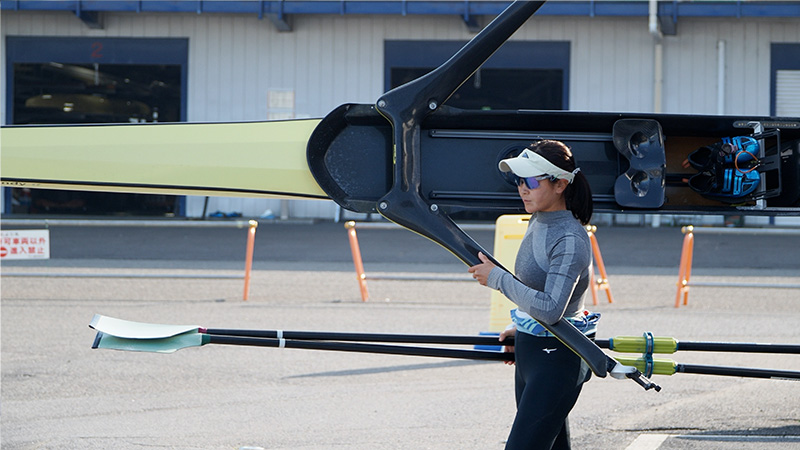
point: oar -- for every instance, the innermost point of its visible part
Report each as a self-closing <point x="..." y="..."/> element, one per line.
<point x="621" y="344"/>
<point x="186" y="340"/>
<point x="638" y="344"/>
<point x="190" y="339"/>
<point x="140" y="330"/>
<point x="670" y="367"/>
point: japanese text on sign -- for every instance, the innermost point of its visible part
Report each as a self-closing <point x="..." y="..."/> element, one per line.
<point x="25" y="244"/>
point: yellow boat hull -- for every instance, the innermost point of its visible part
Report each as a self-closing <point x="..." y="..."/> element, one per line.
<point x="223" y="159"/>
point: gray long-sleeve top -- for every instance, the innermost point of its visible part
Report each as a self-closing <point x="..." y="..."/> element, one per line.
<point x="553" y="267"/>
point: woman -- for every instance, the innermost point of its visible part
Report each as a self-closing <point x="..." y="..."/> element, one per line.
<point x="552" y="273"/>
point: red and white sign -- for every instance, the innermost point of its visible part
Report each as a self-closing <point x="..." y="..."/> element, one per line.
<point x="25" y="244"/>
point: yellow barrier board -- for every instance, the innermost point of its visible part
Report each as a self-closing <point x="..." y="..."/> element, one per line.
<point x="508" y="234"/>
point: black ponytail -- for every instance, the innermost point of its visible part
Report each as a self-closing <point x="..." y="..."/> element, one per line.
<point x="578" y="194"/>
<point x="579" y="198"/>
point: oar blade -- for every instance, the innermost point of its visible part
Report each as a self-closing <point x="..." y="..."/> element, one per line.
<point x="137" y="330"/>
<point x="160" y="345"/>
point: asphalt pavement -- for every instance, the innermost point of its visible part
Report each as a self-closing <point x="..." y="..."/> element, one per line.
<point x="58" y="393"/>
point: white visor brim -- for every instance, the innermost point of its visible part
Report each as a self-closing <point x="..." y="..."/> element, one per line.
<point x="532" y="164"/>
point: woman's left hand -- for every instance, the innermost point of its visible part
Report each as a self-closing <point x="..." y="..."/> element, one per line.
<point x="508" y="348"/>
<point x="481" y="271"/>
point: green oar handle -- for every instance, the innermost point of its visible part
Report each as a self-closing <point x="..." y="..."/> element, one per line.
<point x="660" y="366"/>
<point x="670" y="367"/>
<point x="638" y="344"/>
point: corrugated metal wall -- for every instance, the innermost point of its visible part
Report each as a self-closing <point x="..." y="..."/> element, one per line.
<point x="236" y="61"/>
<point x="690" y="61"/>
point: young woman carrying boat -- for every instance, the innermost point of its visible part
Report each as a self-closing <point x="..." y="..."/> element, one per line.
<point x="552" y="274"/>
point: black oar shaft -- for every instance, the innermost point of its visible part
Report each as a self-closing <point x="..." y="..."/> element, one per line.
<point x="363" y="348"/>
<point x="365" y="337"/>
<point x="743" y="347"/>
<point x="738" y="371"/>
<point x="739" y="347"/>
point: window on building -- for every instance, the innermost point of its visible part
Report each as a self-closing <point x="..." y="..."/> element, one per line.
<point x="500" y="88"/>
<point x="520" y="75"/>
<point x="86" y="80"/>
<point x="47" y="93"/>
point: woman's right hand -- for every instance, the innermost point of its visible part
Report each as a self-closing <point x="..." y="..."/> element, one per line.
<point x="508" y="348"/>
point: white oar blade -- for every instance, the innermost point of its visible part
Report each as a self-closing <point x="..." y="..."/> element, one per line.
<point x="161" y="345"/>
<point x="137" y="330"/>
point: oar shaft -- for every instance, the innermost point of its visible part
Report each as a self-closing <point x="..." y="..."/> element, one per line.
<point x="660" y="344"/>
<point x="635" y="344"/>
<point x="185" y="340"/>
<point x="737" y="371"/>
<point x="623" y="344"/>
<point x="740" y="347"/>
<point x="670" y="367"/>
<point x="363" y="348"/>
<point x="362" y="337"/>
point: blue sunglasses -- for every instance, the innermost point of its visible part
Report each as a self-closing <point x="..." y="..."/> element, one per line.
<point x="533" y="182"/>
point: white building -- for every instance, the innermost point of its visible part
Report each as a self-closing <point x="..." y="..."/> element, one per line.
<point x="260" y="60"/>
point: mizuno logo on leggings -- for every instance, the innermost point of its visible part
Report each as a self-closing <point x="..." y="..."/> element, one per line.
<point x="549" y="350"/>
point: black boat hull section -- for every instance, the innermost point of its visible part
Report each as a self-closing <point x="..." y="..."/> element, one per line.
<point x="351" y="156"/>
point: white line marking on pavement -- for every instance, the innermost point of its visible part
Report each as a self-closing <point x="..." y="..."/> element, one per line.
<point x="654" y="441"/>
<point x="648" y="442"/>
<point x="740" y="437"/>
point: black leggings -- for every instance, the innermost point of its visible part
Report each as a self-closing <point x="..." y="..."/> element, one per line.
<point x="549" y="377"/>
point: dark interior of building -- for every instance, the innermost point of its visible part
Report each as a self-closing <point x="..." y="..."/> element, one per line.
<point x="56" y="93"/>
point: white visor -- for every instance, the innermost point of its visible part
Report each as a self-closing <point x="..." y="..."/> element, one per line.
<point x="532" y="164"/>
